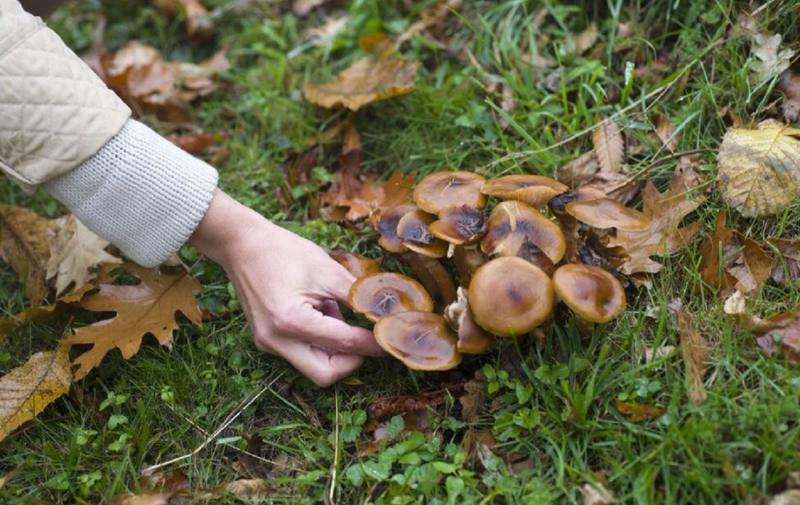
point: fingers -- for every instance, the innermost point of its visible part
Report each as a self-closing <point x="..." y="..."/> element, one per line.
<point x="331" y="309"/>
<point x="335" y="334"/>
<point x="320" y="366"/>
<point x="338" y="286"/>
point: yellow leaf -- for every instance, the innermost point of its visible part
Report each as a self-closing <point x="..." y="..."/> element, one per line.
<point x="759" y="170"/>
<point x="365" y="81"/>
<point x="24" y="246"/>
<point x="27" y="390"/>
<point x="147" y="307"/>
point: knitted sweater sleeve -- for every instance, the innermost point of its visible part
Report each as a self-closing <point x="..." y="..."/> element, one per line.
<point x="140" y="192"/>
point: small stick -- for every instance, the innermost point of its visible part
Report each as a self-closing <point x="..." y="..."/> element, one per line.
<point x="656" y="163"/>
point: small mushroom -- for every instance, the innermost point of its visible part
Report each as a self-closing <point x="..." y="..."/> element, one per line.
<point x="356" y="264"/>
<point x="413" y="231"/>
<point x="433" y="275"/>
<point x="535" y="190"/>
<point x="443" y="190"/>
<point x="607" y="213"/>
<point x="383" y="294"/>
<point x="510" y="297"/>
<point x="591" y="292"/>
<point x="459" y="225"/>
<point x="467" y="260"/>
<point x="385" y="223"/>
<point x="514" y="225"/>
<point x="421" y="340"/>
<point x="559" y="203"/>
<point x="472" y="339"/>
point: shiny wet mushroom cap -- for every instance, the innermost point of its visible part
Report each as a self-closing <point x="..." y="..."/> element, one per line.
<point x="472" y="339"/>
<point x="459" y="225"/>
<point x="421" y="340"/>
<point x="535" y="190"/>
<point x="356" y="264"/>
<point x="443" y="190"/>
<point x="382" y="294"/>
<point x="591" y="292"/>
<point x="385" y="223"/>
<point x="510" y="297"/>
<point x="513" y="226"/>
<point x="413" y="230"/>
<point x="607" y="213"/>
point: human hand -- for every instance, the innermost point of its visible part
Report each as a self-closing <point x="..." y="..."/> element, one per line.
<point x="288" y="287"/>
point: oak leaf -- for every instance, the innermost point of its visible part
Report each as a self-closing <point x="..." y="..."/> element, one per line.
<point x="149" y="307"/>
<point x="366" y="81"/>
<point x="27" y="390"/>
<point x="664" y="235"/>
<point x="74" y="251"/>
<point x="24" y="246"/>
<point x="759" y="170"/>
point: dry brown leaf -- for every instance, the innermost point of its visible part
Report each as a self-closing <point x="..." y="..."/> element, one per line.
<point x="303" y="7"/>
<point x="148" y="307"/>
<point x="324" y="34"/>
<point x="636" y="412"/>
<point x="790" y="85"/>
<point x="597" y="494"/>
<point x="759" y="170"/>
<point x="787" y="266"/>
<point x="695" y="351"/>
<point x="430" y="17"/>
<point x="24" y="247"/>
<point x="74" y="252"/>
<point x="579" y="171"/>
<point x="664" y="235"/>
<point x="41" y="312"/>
<point x="772" y="60"/>
<point x="586" y="39"/>
<point x="27" y="390"/>
<point x="159" y="489"/>
<point x="609" y="146"/>
<point x="198" y="23"/>
<point x="779" y="334"/>
<point x="744" y="267"/>
<point x="245" y="489"/>
<point x="665" y="131"/>
<point x="474" y="397"/>
<point x="366" y="81"/>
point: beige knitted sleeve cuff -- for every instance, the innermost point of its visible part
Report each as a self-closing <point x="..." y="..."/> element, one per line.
<point x="140" y="192"/>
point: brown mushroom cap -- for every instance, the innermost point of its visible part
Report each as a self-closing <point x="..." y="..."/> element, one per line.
<point x="512" y="225"/>
<point x="356" y="264"/>
<point x="421" y="340"/>
<point x="382" y="294"/>
<point x="472" y="339"/>
<point x="510" y="297"/>
<point x="433" y="275"/>
<point x="535" y="190"/>
<point x="591" y="292"/>
<point x="607" y="213"/>
<point x="459" y="225"/>
<point x="443" y="190"/>
<point x="385" y="223"/>
<point x="413" y="230"/>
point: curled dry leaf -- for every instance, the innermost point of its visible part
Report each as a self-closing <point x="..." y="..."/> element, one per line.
<point x="695" y="351"/>
<point x="790" y="85"/>
<point x="609" y="146"/>
<point x="664" y="235"/>
<point x="74" y="252"/>
<point x="27" y="390"/>
<point x="389" y="406"/>
<point x="365" y="81"/>
<point x="24" y="247"/>
<point x="787" y="266"/>
<point x="148" y="307"/>
<point x="779" y="334"/>
<point x="324" y="34"/>
<point x="759" y="170"/>
<point x="636" y="412"/>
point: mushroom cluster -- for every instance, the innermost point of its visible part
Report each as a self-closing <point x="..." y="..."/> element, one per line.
<point x="510" y="266"/>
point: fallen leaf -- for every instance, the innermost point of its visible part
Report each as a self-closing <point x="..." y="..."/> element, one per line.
<point x="608" y="145"/>
<point x="24" y="247"/>
<point x="7" y="477"/>
<point x="790" y="85"/>
<point x="779" y="334"/>
<point x="665" y="131"/>
<point x="41" y="312"/>
<point x="198" y="22"/>
<point x="664" y="235"/>
<point x="366" y="81"/>
<point x="584" y="40"/>
<point x="147" y="307"/>
<point x="159" y="489"/>
<point x="651" y="354"/>
<point x="787" y="266"/>
<point x="74" y="252"/>
<point x="303" y="7"/>
<point x="597" y="494"/>
<point x="25" y="391"/>
<point x="771" y="59"/>
<point x="389" y="406"/>
<point x="759" y="170"/>
<point x="324" y="34"/>
<point x="579" y="171"/>
<point x="193" y="143"/>
<point x="729" y="261"/>
<point x="636" y="412"/>
<point x="246" y="489"/>
<point x="474" y="397"/>
<point x="429" y="17"/>
<point x="695" y="351"/>
<point x="790" y="497"/>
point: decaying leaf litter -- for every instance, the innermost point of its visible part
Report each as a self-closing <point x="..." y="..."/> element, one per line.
<point x="756" y="170"/>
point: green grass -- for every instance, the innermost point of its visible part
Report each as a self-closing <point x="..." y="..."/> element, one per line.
<point x="554" y="405"/>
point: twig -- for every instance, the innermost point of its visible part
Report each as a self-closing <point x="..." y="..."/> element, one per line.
<point x="232" y="417"/>
<point x="656" y="163"/>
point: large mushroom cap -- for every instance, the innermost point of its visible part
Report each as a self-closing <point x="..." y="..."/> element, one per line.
<point x="607" y="213"/>
<point x="472" y="339"/>
<point x="459" y="225"/>
<point x="413" y="230"/>
<point x="385" y="223"/>
<point x="514" y="225"/>
<point x="535" y="190"/>
<point x="356" y="264"/>
<point x="382" y="294"/>
<point x="443" y="190"/>
<point x="593" y="293"/>
<point x="510" y="297"/>
<point x="421" y="340"/>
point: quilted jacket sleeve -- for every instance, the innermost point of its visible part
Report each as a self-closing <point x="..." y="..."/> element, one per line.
<point x="55" y="112"/>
